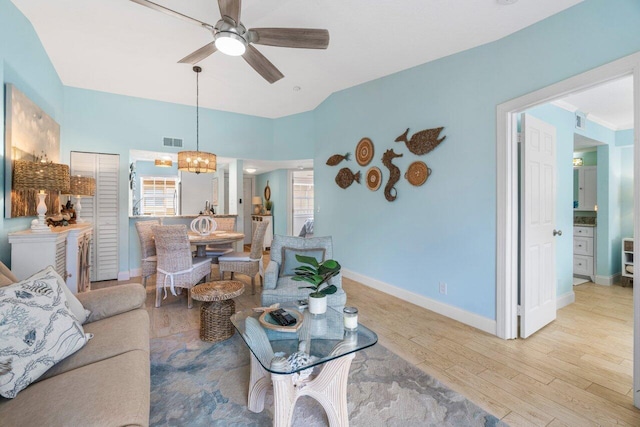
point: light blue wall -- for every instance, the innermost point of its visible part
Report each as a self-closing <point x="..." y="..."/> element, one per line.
<point x="279" y="190"/>
<point x="445" y="230"/>
<point x="25" y="64"/>
<point x="294" y="137"/>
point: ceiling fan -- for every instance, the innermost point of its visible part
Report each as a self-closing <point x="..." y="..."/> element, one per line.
<point x="231" y="37"/>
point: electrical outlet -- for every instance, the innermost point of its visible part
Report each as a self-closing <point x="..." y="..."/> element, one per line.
<point x="443" y="288"/>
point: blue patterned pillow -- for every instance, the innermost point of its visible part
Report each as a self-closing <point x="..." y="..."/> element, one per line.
<point x="290" y="263"/>
<point x="37" y="330"/>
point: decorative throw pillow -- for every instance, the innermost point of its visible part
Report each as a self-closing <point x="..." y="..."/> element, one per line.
<point x="290" y="263"/>
<point x="74" y="303"/>
<point x="37" y="330"/>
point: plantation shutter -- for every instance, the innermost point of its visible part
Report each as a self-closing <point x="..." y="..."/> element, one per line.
<point x="101" y="210"/>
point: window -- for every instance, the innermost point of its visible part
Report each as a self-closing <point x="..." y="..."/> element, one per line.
<point x="159" y="196"/>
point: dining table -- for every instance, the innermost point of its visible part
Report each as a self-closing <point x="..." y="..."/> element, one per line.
<point x="215" y="238"/>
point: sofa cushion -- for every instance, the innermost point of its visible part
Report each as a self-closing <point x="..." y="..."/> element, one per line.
<point x="37" y="331"/>
<point x="112" y="392"/>
<point x="111" y="337"/>
<point x="290" y="262"/>
<point x="108" y="302"/>
<point x="74" y="304"/>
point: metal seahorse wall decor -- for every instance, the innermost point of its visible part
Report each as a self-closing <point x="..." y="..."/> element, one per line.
<point x="422" y="142"/>
<point x="394" y="174"/>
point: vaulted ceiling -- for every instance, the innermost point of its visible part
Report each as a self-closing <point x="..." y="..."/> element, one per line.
<point x="121" y="47"/>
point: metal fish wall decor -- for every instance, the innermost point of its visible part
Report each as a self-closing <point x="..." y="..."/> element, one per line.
<point x="337" y="158"/>
<point x="394" y="174"/>
<point x="346" y="177"/>
<point x="422" y="142"/>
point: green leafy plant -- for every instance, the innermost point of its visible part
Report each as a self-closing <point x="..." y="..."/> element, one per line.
<point x="317" y="274"/>
<point x="268" y="205"/>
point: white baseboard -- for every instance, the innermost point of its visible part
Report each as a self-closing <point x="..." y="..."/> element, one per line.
<point x="135" y="272"/>
<point x="463" y="316"/>
<point x="607" y="280"/>
<point x="123" y="275"/>
<point x="565" y="299"/>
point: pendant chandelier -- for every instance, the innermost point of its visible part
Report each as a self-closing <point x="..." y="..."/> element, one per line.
<point x="197" y="161"/>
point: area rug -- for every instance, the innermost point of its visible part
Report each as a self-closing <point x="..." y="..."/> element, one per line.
<point x="194" y="383"/>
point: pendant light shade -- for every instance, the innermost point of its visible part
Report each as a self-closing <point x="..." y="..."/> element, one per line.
<point x="197" y="161"/>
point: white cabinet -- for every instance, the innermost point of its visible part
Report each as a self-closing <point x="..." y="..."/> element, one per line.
<point x="627" y="262"/>
<point x="268" y="235"/>
<point x="585" y="188"/>
<point x="584" y="253"/>
<point x="65" y="248"/>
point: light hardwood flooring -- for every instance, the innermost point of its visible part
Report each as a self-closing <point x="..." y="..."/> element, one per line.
<point x="577" y="371"/>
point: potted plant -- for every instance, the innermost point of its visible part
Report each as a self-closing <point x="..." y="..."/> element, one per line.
<point x="317" y="274"/>
<point x="268" y="205"/>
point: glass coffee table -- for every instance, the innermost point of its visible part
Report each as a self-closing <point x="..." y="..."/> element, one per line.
<point x="311" y="359"/>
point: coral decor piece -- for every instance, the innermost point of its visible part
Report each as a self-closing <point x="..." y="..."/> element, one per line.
<point x="346" y="177"/>
<point x="364" y="152"/>
<point x="422" y="142"/>
<point x="394" y="174"/>
<point x="337" y="158"/>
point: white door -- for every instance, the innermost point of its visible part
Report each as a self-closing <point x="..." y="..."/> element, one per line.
<point x="537" y="223"/>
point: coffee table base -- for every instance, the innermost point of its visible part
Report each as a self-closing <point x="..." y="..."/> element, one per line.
<point x="329" y="388"/>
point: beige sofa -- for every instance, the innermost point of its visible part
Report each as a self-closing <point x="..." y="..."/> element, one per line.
<point x="107" y="382"/>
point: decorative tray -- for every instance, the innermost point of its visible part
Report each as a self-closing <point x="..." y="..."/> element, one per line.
<point x="268" y="322"/>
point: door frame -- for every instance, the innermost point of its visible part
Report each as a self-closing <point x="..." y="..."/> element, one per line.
<point x="507" y="242"/>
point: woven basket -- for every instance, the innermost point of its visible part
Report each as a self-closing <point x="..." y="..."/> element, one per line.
<point x="628" y="245"/>
<point x="215" y="323"/>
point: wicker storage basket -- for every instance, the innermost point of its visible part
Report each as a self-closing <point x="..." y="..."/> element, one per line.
<point x="628" y="245"/>
<point x="214" y="320"/>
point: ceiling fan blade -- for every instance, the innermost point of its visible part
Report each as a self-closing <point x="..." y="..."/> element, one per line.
<point x="230" y="8"/>
<point x="168" y="11"/>
<point x="262" y="65"/>
<point x="305" y="38"/>
<point x="199" y="54"/>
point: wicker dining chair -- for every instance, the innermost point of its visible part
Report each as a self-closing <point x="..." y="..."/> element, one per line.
<point x="214" y="251"/>
<point x="148" y="256"/>
<point x="176" y="267"/>
<point x="249" y="263"/>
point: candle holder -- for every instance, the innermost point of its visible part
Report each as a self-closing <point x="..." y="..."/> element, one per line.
<point x="350" y="315"/>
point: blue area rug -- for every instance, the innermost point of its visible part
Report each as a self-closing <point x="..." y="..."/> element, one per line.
<point x="200" y="384"/>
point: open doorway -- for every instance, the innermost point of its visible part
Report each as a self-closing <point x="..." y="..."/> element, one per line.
<point x="508" y="257"/>
<point x="302" y="203"/>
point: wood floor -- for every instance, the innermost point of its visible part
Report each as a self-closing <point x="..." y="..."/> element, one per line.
<point x="577" y="371"/>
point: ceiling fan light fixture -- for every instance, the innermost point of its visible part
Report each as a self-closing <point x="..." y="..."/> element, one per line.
<point x="230" y="43"/>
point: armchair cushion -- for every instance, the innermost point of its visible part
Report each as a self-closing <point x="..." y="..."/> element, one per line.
<point x="290" y="263"/>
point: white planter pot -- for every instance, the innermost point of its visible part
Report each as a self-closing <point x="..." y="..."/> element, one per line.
<point x="318" y="305"/>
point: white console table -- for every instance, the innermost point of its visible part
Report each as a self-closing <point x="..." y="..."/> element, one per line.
<point x="67" y="249"/>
